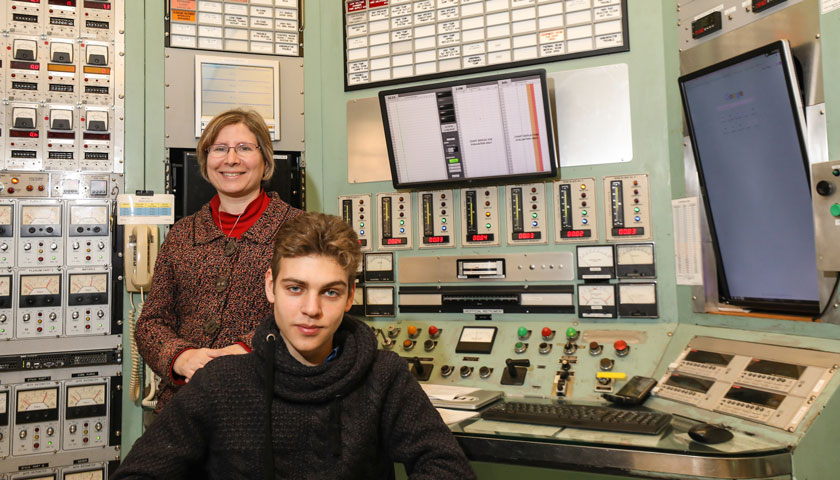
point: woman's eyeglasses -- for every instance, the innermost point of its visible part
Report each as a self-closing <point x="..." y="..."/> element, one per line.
<point x="242" y="150"/>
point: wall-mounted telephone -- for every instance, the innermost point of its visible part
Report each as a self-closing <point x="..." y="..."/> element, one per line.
<point x="140" y="253"/>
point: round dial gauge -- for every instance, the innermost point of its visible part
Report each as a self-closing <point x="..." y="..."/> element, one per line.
<point x="380" y="295"/>
<point x="634" y="254"/>
<point x="359" y="296"/>
<point x="5" y="214"/>
<point x="40" y="284"/>
<point x="88" y="214"/>
<point x="42" y="399"/>
<point x="94" y="475"/>
<point x="4" y="397"/>
<point x="40" y="214"/>
<point x="5" y="286"/>
<point x="600" y="256"/>
<point x="81" y="395"/>
<point x="89" y="283"/>
<point x="590" y="295"/>
<point x="379" y="262"/>
<point x="637" y="294"/>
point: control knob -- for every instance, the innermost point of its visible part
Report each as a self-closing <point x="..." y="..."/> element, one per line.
<point x="75" y="315"/>
<point x="101" y="245"/>
<point x="100" y="313"/>
<point x="53" y="316"/>
<point x="3" y="318"/>
<point x="72" y="428"/>
<point x="27" y="246"/>
<point x="825" y="188"/>
<point x="98" y="426"/>
<point x="50" y="431"/>
<point x="53" y="246"/>
<point x="22" y="434"/>
<point x="4" y="247"/>
<point x="75" y="245"/>
<point x="26" y="317"/>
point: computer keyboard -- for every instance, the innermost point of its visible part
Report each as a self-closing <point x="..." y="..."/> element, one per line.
<point x="580" y="416"/>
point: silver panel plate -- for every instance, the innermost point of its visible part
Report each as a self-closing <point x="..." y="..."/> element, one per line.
<point x="519" y="267"/>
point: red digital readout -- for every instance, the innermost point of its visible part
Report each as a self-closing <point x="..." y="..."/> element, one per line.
<point x="97" y="136"/>
<point x="434" y="240"/>
<point x="24" y="65"/>
<point x="627" y="231"/>
<point x="24" y="133"/>
<point x="99" y="5"/>
<point x="394" y="241"/>
<point x="63" y="3"/>
<point x="574" y="233"/>
<point x="759" y="4"/>
<point x="30" y="1"/>
<point x="527" y="236"/>
<point x="63" y="135"/>
<point x="480" y="238"/>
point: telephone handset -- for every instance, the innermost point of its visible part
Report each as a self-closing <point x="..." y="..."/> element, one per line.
<point x="140" y="254"/>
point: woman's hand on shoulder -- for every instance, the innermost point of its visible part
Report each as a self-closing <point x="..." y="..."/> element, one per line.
<point x="192" y="360"/>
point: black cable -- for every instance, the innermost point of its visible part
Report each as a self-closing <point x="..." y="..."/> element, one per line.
<point x="830" y="298"/>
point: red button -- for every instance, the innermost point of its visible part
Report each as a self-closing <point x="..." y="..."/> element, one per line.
<point x="546" y="332"/>
<point x="620" y="345"/>
<point x="433" y="330"/>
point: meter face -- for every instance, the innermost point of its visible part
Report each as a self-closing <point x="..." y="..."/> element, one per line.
<point x="41" y="399"/>
<point x="5" y="286"/>
<point x="41" y="214"/>
<point x="88" y="214"/>
<point x="88" y="283"/>
<point x="380" y="295"/>
<point x="40" y="284"/>
<point x="379" y="262"/>
<point x="597" y="256"/>
<point x="5" y="214"/>
<point x="641" y="254"/>
<point x="83" y="395"/>
<point x="590" y="295"/>
<point x="638" y="294"/>
<point x="94" y="475"/>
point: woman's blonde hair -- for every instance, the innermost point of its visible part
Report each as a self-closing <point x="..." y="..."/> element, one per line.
<point x="255" y="124"/>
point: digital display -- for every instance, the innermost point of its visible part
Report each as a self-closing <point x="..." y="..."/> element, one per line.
<point x="624" y="232"/>
<point x="96" y="90"/>
<point x="755" y="397"/>
<point x="481" y="237"/>
<point x="61" y="135"/>
<point x="575" y="233"/>
<point x="760" y="5"/>
<point x="395" y="241"/>
<point x="24" y="133"/>
<point x="62" y="3"/>
<point x="97" y="70"/>
<point x="711" y="358"/>
<point x="437" y="239"/>
<point x="363" y="242"/>
<point x="99" y="5"/>
<point x="689" y="383"/>
<point x="96" y="136"/>
<point x="747" y="128"/>
<point x="482" y="129"/>
<point x="52" y="67"/>
<point x="95" y="24"/>
<point x="17" y="64"/>
<point x="707" y="25"/>
<point x="527" y="236"/>
<point x="768" y="367"/>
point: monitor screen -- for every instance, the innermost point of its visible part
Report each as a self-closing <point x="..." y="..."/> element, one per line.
<point x="747" y="127"/>
<point x="482" y="130"/>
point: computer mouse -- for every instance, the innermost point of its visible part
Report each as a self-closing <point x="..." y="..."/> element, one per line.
<point x="710" y="434"/>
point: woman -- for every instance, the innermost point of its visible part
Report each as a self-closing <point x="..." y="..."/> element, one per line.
<point x="207" y="293"/>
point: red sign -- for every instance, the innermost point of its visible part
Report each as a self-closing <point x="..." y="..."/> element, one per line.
<point x="356" y="5"/>
<point x="378" y="3"/>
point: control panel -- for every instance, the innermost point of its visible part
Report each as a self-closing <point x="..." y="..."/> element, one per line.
<point x="23" y="141"/>
<point x="97" y="73"/>
<point x="62" y="19"/>
<point x="394" y="213"/>
<point x="527" y="220"/>
<point x="24" y="82"/>
<point x="627" y="208"/>
<point x="24" y="17"/>
<point x="480" y="217"/>
<point x="768" y="384"/>
<point x="7" y="315"/>
<point x="85" y="412"/>
<point x="40" y="242"/>
<point x="5" y="437"/>
<point x="826" y="184"/>
<point x="575" y="211"/>
<point x="89" y="234"/>
<point x="435" y="209"/>
<point x="7" y="234"/>
<point x="61" y="144"/>
<point x="62" y="71"/>
<point x="87" y="296"/>
<point x="37" y="427"/>
<point x="39" y="310"/>
<point x="97" y="148"/>
<point x="357" y="211"/>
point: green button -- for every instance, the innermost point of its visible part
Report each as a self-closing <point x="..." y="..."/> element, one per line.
<point x="835" y="209"/>
<point x="583" y="212"/>
<point x="637" y="209"/>
<point x="522" y="332"/>
<point x="519" y="345"/>
<point x="362" y="224"/>
<point x="487" y="225"/>
<point x="836" y="172"/>
<point x="534" y="215"/>
<point x="571" y="332"/>
<point x="453" y="160"/>
<point x="443" y="220"/>
<point x="402" y="222"/>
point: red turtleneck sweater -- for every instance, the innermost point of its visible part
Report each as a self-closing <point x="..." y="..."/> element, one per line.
<point x="228" y="223"/>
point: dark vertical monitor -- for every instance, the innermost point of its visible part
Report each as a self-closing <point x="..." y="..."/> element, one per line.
<point x="494" y="129"/>
<point x="747" y="129"/>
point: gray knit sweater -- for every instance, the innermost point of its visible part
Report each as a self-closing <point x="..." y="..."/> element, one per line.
<point x="349" y="418"/>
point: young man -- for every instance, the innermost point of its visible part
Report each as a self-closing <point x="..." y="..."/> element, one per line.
<point x="339" y="408"/>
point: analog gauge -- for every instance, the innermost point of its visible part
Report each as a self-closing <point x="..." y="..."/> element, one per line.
<point x="638" y="254"/>
<point x="41" y="214"/>
<point x="4" y="397"/>
<point x="82" y="395"/>
<point x="5" y="214"/>
<point x="94" y="475"/>
<point x="89" y="283"/>
<point x="40" y="284"/>
<point x="88" y="214"/>
<point x="48" y="477"/>
<point x="359" y="296"/>
<point x="590" y="295"/>
<point x="643" y="293"/>
<point x="379" y="262"/>
<point x="41" y="399"/>
<point x="595" y="256"/>
<point x="5" y="286"/>
<point x="380" y="295"/>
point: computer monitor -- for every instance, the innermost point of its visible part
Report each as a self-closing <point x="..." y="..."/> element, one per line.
<point x="492" y="129"/>
<point x="222" y="83"/>
<point x="747" y="131"/>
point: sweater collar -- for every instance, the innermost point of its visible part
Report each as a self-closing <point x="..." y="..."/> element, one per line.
<point x="296" y="382"/>
<point x="262" y="231"/>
